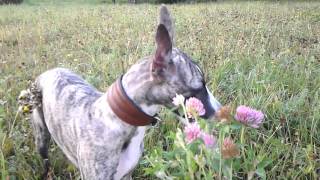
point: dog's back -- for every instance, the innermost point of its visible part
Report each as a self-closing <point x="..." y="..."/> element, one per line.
<point x="65" y="91"/>
<point x="63" y="101"/>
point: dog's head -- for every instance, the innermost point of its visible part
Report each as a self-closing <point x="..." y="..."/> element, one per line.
<point x="173" y="72"/>
<point x="157" y="79"/>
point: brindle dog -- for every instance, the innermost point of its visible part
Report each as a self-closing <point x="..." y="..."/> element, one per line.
<point x="79" y="119"/>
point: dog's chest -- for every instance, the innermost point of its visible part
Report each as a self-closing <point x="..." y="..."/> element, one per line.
<point x="130" y="155"/>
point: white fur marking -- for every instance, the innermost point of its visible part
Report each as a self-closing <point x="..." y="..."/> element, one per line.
<point x="213" y="101"/>
<point x="129" y="158"/>
<point x="200" y="72"/>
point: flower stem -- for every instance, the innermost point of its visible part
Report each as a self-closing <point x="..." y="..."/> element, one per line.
<point x="221" y="138"/>
<point x="230" y="175"/>
<point x="242" y="140"/>
<point x="185" y="114"/>
<point x="189" y="163"/>
<point x="242" y="135"/>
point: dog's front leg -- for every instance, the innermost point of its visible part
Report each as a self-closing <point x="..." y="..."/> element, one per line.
<point x="97" y="162"/>
<point x="130" y="155"/>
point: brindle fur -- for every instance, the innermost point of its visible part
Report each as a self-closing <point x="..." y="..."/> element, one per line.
<point x="78" y="118"/>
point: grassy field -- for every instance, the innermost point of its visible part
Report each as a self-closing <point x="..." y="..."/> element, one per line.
<point x="266" y="55"/>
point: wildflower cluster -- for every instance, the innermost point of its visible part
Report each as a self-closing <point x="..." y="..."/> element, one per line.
<point x="249" y="116"/>
<point x="193" y="132"/>
<point x="208" y="148"/>
<point x="194" y="108"/>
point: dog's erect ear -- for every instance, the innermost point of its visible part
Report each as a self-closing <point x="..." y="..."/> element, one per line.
<point x="166" y="20"/>
<point x="164" y="37"/>
<point x="163" y="52"/>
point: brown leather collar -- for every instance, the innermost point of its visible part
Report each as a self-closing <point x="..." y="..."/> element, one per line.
<point x="125" y="108"/>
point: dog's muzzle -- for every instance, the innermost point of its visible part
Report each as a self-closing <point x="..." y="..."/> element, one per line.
<point x="209" y="102"/>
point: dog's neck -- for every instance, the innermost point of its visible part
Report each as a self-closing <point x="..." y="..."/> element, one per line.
<point x="136" y="82"/>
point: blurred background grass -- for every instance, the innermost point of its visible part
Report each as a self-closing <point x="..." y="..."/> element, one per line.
<point x="261" y="54"/>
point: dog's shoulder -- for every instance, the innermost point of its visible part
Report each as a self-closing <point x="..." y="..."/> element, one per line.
<point x="60" y="77"/>
<point x="64" y="83"/>
<point x="57" y="73"/>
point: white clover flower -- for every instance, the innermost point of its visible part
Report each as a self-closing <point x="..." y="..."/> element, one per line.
<point x="178" y="100"/>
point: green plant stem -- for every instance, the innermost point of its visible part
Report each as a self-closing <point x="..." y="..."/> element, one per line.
<point x="230" y="176"/>
<point x="189" y="163"/>
<point x="242" y="140"/>
<point x="13" y="123"/>
<point x="221" y="138"/>
<point x="3" y="165"/>
<point x="185" y="114"/>
<point x="242" y="134"/>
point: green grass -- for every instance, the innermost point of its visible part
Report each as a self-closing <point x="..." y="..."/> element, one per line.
<point x="266" y="55"/>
